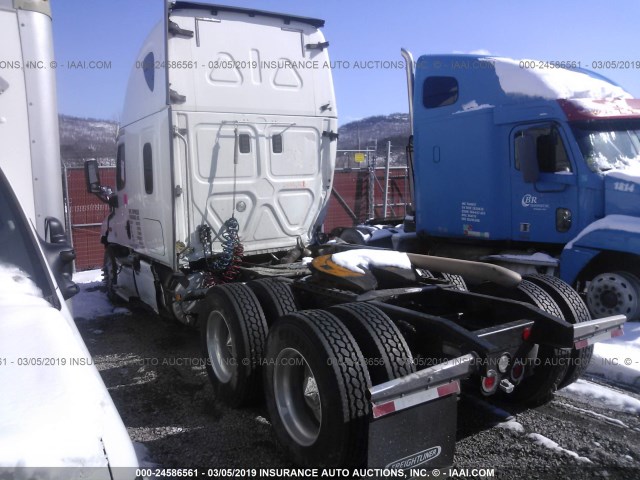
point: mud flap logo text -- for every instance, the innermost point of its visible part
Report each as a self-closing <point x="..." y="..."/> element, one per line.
<point x="415" y="459"/>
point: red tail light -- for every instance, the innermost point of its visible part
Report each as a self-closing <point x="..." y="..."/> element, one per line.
<point x="526" y="333"/>
<point x="517" y="372"/>
<point x="490" y="382"/>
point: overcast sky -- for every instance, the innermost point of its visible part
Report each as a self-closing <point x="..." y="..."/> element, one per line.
<point x="586" y="31"/>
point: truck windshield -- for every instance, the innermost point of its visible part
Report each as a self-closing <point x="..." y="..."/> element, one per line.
<point x="609" y="145"/>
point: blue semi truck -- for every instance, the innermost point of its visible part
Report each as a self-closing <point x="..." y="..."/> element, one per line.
<point x="530" y="165"/>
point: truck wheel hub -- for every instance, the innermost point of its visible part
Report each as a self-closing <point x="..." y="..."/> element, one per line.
<point x="220" y="347"/>
<point x="614" y="293"/>
<point x="297" y="397"/>
<point x="610" y="298"/>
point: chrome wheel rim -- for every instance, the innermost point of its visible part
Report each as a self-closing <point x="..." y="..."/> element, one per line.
<point x="297" y="397"/>
<point x="614" y="293"/>
<point x="220" y="347"/>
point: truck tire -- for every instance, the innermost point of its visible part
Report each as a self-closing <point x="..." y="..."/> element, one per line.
<point x="539" y="387"/>
<point x="455" y="280"/>
<point x="385" y="350"/>
<point x="315" y="382"/>
<point x="233" y="333"/>
<point x="110" y="274"/>
<point x="574" y="310"/>
<point x="275" y="297"/>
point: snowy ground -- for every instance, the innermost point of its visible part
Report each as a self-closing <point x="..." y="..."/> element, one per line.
<point x="91" y="302"/>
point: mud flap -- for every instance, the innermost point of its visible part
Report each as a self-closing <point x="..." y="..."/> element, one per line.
<point x="422" y="436"/>
<point x="414" y="418"/>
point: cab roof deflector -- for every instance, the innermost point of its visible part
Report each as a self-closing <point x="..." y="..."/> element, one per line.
<point x="214" y="9"/>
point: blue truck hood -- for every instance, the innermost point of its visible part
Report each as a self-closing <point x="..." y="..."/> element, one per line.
<point x="622" y="192"/>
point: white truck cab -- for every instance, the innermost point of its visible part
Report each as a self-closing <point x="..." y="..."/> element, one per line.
<point x="227" y="146"/>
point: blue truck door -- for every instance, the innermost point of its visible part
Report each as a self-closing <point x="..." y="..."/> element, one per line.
<point x="546" y="210"/>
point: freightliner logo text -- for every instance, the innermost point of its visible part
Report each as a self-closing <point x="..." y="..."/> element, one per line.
<point x="415" y="459"/>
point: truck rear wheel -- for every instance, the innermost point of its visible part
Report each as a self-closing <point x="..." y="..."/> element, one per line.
<point x="551" y="369"/>
<point x="315" y="382"/>
<point x="275" y="296"/>
<point x="234" y="332"/>
<point x="385" y="350"/>
<point x="574" y="311"/>
<point x="613" y="293"/>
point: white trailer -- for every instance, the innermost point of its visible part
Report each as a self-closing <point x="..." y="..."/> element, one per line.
<point x="28" y="109"/>
<point x="29" y="131"/>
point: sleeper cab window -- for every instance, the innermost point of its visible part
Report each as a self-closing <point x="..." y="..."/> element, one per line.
<point x="120" y="168"/>
<point x="276" y="143"/>
<point x="439" y="91"/>
<point x="148" y="168"/>
<point x="244" y="141"/>
<point x="148" y="68"/>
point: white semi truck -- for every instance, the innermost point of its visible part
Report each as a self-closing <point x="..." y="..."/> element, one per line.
<point x="224" y="168"/>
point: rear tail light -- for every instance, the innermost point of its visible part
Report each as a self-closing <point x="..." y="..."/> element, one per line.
<point x="517" y="372"/>
<point x="526" y="333"/>
<point x="489" y="383"/>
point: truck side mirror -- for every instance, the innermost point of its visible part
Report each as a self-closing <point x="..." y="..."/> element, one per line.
<point x="526" y="153"/>
<point x="60" y="256"/>
<point x="92" y="176"/>
<point x="54" y="231"/>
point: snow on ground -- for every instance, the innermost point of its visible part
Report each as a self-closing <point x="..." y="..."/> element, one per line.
<point x="92" y="302"/>
<point x="551" y="445"/>
<point x="512" y="425"/>
<point x="612" y="399"/>
<point x="613" y="421"/>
